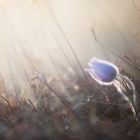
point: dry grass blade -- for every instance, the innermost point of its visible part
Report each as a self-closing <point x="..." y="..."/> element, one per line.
<point x="114" y="53"/>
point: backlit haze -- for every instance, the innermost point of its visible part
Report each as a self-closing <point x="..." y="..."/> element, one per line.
<point x="39" y="28"/>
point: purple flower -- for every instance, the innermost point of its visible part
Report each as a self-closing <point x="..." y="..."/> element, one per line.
<point x="102" y="71"/>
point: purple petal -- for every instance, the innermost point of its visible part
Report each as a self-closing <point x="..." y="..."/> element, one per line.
<point x="103" y="71"/>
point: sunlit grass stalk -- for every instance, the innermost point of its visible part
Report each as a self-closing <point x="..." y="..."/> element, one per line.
<point x="127" y="90"/>
<point x="70" y="46"/>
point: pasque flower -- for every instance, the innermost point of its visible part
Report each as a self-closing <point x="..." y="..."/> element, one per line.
<point x="106" y="73"/>
<point x="102" y="71"/>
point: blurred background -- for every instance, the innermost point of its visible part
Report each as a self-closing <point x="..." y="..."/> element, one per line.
<point x="45" y="46"/>
<point x="55" y="36"/>
<point x="40" y="27"/>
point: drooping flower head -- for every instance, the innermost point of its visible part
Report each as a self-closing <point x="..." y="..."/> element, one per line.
<point x="102" y="71"/>
<point x="106" y="73"/>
